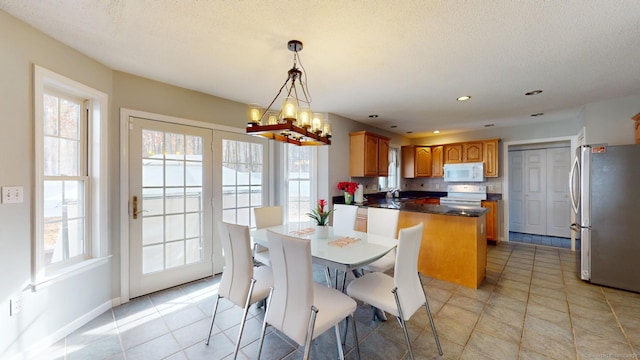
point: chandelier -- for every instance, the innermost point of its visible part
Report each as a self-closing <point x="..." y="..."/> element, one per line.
<point x="295" y="123"/>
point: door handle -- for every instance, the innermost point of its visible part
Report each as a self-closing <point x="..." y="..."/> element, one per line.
<point x="134" y="206"/>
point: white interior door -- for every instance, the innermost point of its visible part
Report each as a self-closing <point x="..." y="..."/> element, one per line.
<point x="516" y="191"/>
<point x="558" y="206"/>
<point x="170" y="217"/>
<point x="535" y="187"/>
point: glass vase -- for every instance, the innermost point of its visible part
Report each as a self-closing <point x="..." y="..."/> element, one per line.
<point x="348" y="198"/>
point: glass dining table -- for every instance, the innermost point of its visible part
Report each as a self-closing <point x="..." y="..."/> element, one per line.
<point x="340" y="251"/>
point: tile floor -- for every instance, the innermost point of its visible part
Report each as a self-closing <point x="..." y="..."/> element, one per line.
<point x="542" y="240"/>
<point x="531" y="306"/>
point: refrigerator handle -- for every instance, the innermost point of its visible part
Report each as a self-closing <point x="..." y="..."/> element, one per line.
<point x="572" y="174"/>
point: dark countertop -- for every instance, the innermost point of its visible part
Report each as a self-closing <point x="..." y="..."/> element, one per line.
<point x="405" y="203"/>
<point x="431" y="209"/>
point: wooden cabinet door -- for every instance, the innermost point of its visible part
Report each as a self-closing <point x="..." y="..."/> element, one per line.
<point x="453" y="153"/>
<point x="408" y="154"/>
<point x="370" y="155"/>
<point x="492" y="219"/>
<point x="437" y="161"/>
<point x="423" y="161"/>
<point x="491" y="158"/>
<point x="472" y="152"/>
<point x="383" y="157"/>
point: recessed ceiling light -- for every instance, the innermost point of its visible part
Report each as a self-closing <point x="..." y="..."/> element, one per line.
<point x="393" y="126"/>
<point x="409" y="132"/>
<point x="373" y="116"/>
<point x="436" y="131"/>
<point x="464" y="98"/>
<point x="534" y="92"/>
<point x="537" y="114"/>
<point x="488" y="125"/>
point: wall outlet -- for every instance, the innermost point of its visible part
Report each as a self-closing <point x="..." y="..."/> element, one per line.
<point x="489" y="187"/>
<point x="12" y="194"/>
<point x="15" y="305"/>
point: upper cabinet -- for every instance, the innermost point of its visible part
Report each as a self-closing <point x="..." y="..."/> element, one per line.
<point x="452" y="153"/>
<point x="490" y="150"/>
<point x="428" y="161"/>
<point x="416" y="161"/>
<point x="369" y="154"/>
<point x="472" y="152"/>
<point x="437" y="161"/>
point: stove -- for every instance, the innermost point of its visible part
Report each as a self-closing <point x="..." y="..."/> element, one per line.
<point x="465" y="196"/>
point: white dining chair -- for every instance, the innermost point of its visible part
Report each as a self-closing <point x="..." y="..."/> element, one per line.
<point x="241" y="283"/>
<point x="297" y="306"/>
<point x="344" y="219"/>
<point x="265" y="217"/>
<point x="383" y="222"/>
<point x="403" y="294"/>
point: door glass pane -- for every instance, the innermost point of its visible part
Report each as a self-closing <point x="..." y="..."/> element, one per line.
<point x="193" y="201"/>
<point x="152" y="173"/>
<point x="194" y="173"/>
<point x="174" y="200"/>
<point x="175" y="254"/>
<point x="152" y="258"/>
<point x="152" y="144"/>
<point x="174" y="172"/>
<point x="174" y="146"/>
<point x="193" y="228"/>
<point x="174" y="227"/>
<point x="152" y="201"/>
<point x="242" y="171"/>
<point x="152" y="230"/>
<point x="193" y="251"/>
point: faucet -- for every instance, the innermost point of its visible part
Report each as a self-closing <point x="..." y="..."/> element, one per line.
<point x="395" y="192"/>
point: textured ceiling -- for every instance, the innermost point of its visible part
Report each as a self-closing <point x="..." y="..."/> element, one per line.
<point x="405" y="60"/>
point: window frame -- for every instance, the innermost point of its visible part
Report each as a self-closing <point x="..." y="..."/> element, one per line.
<point x="96" y="161"/>
<point x="383" y="181"/>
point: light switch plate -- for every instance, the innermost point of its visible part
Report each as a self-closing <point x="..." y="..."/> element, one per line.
<point x="12" y="194"/>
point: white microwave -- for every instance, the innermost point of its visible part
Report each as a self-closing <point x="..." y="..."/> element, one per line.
<point x="465" y="172"/>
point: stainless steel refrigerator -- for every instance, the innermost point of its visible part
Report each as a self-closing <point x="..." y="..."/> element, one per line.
<point x="605" y="195"/>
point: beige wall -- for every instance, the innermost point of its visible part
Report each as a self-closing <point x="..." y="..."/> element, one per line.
<point x="609" y="122"/>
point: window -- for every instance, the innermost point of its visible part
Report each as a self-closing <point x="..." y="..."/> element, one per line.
<point x="70" y="189"/>
<point x="300" y="160"/>
<point x="242" y="188"/>
<point x="65" y="179"/>
<point x="392" y="181"/>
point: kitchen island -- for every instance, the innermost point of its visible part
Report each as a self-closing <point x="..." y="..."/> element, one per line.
<point x="454" y="245"/>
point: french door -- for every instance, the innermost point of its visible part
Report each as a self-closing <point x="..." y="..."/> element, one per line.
<point x="170" y="211"/>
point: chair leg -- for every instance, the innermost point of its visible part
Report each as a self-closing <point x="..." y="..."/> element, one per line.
<point x="264" y="323"/>
<point x="244" y="318"/>
<point x="402" y="323"/>
<point x="327" y="274"/>
<point x="213" y="317"/>
<point x="312" y="324"/>
<point x="433" y="325"/>
<point x="338" y="342"/>
<point x="344" y="281"/>
<point x="355" y="336"/>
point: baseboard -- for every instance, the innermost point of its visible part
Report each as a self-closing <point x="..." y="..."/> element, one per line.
<point x="53" y="338"/>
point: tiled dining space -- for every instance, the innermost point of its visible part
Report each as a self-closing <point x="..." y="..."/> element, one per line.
<point x="532" y="305"/>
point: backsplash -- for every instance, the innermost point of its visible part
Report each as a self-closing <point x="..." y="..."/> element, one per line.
<point x="494" y="186"/>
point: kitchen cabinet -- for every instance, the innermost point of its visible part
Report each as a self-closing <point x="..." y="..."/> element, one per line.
<point x="453" y="153"/>
<point x="472" y="152"/>
<point x="437" y="161"/>
<point x="416" y="161"/>
<point x="430" y="201"/>
<point x="490" y="151"/>
<point x="485" y="151"/>
<point x="369" y="154"/>
<point x="492" y="225"/>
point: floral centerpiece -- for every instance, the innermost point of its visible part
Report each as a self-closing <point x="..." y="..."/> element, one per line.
<point x="349" y="189"/>
<point x="321" y="217"/>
